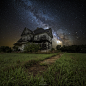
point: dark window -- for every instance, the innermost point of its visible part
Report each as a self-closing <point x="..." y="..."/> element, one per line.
<point x="44" y="46"/>
<point x="48" y="46"/>
<point x="37" y="37"/>
<point x="44" y="36"/>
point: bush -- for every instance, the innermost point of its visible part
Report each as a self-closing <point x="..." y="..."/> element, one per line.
<point x="5" y="49"/>
<point x="58" y="47"/>
<point x="74" y="49"/>
<point x="53" y="50"/>
<point x="15" y="48"/>
<point x="31" y="47"/>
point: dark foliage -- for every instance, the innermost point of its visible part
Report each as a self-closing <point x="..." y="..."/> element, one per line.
<point x="15" y="48"/>
<point x="31" y="47"/>
<point x="74" y="49"/>
<point x="52" y="49"/>
<point x="5" y="49"/>
<point x="58" y="47"/>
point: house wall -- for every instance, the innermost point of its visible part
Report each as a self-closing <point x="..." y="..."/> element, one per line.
<point x="24" y="37"/>
<point x="40" y="35"/>
<point x="27" y="37"/>
<point x="21" y="47"/>
<point x="50" y="46"/>
<point x="27" y="31"/>
<point x="36" y="37"/>
<point x="47" y="49"/>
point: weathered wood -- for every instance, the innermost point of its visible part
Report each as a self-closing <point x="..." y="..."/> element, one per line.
<point x="44" y="37"/>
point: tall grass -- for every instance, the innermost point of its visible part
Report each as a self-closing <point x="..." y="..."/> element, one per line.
<point x="12" y="67"/>
<point x="18" y="77"/>
<point x="67" y="71"/>
<point x="17" y="59"/>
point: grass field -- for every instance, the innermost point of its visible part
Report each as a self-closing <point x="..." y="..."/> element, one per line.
<point x="12" y="67"/>
<point x="69" y="70"/>
<point x="17" y="59"/>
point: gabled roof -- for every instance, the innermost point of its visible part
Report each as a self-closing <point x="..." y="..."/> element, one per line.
<point x="49" y="32"/>
<point x="41" y="30"/>
<point x="29" y="31"/>
<point x="19" y="40"/>
<point x="38" y="31"/>
<point x="35" y="32"/>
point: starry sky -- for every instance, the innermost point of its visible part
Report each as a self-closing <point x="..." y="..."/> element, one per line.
<point x="66" y="18"/>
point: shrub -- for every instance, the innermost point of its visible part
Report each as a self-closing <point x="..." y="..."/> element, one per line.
<point x="31" y="47"/>
<point x="53" y="50"/>
<point x="5" y="49"/>
<point x="58" y="47"/>
<point x="15" y="48"/>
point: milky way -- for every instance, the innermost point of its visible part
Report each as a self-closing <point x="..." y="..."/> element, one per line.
<point x="66" y="19"/>
<point x="38" y="16"/>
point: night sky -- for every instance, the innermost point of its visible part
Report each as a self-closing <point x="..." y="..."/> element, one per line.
<point x="66" y="18"/>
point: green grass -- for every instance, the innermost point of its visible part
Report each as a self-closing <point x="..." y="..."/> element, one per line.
<point x="43" y="64"/>
<point x="69" y="70"/>
<point x="17" y="59"/>
<point x="12" y="67"/>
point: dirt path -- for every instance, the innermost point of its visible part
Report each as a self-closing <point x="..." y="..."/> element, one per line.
<point x="51" y="60"/>
<point x="39" y="69"/>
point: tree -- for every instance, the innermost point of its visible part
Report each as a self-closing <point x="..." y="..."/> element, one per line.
<point x="53" y="50"/>
<point x="31" y="47"/>
<point x="58" y="47"/>
<point x="5" y="49"/>
<point x="15" y="48"/>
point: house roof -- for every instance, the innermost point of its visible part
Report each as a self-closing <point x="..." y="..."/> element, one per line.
<point x="35" y="32"/>
<point x="49" y="32"/>
<point x="19" y="40"/>
<point x="38" y="31"/>
<point x="41" y="30"/>
<point x="23" y="33"/>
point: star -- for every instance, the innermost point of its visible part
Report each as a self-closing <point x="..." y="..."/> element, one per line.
<point x="65" y="18"/>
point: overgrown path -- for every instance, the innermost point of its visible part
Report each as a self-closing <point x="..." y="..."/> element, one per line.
<point x="42" y="65"/>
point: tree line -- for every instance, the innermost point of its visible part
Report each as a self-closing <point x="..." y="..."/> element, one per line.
<point x="32" y="47"/>
<point x="29" y="47"/>
<point x="5" y="49"/>
<point x="72" y="48"/>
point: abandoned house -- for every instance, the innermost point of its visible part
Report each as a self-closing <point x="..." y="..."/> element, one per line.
<point x="38" y="36"/>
